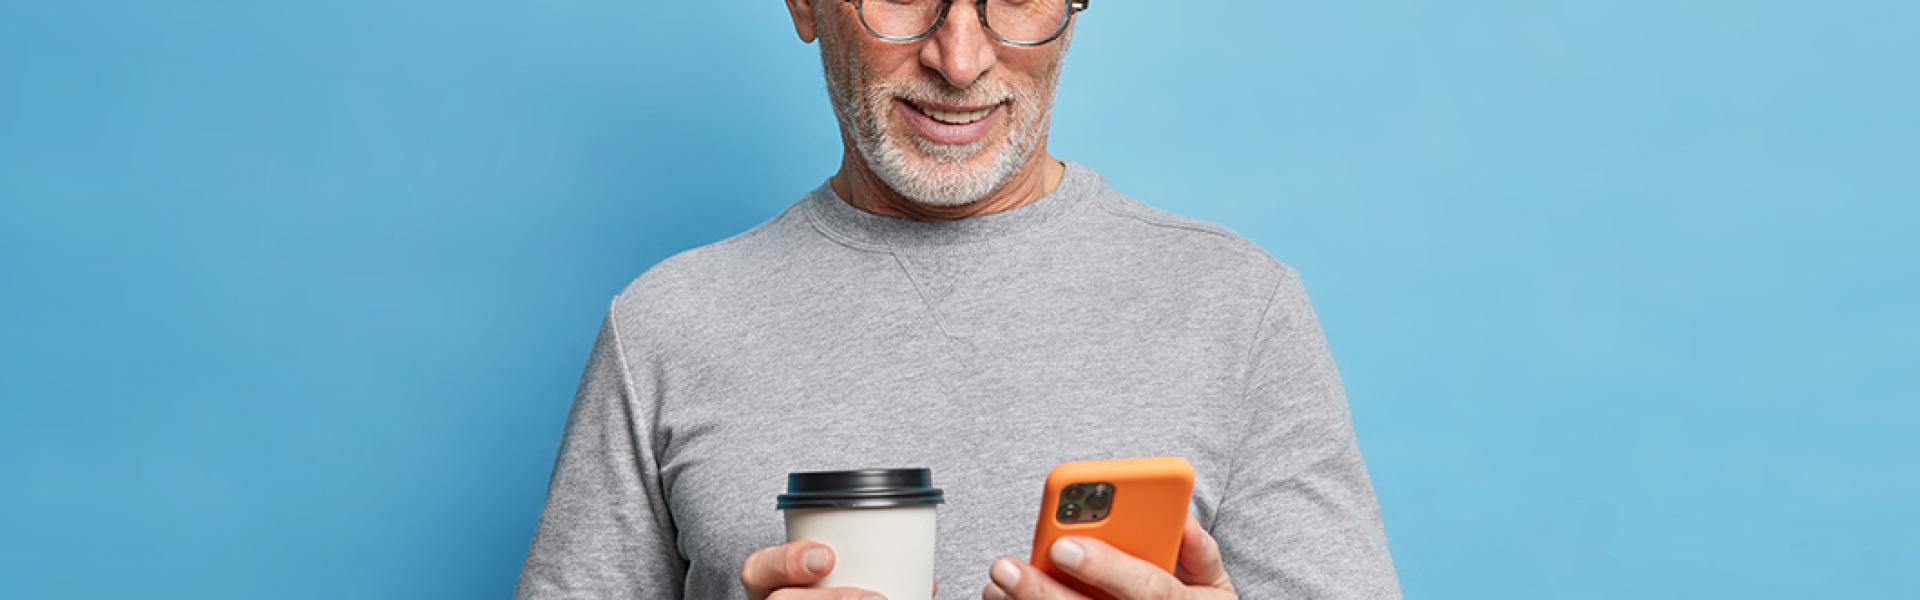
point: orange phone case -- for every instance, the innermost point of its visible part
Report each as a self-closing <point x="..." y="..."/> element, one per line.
<point x="1149" y="511"/>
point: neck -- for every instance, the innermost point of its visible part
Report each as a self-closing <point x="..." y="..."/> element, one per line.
<point x="860" y="187"/>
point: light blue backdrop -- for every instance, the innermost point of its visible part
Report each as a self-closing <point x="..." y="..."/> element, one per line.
<point x="296" y="293"/>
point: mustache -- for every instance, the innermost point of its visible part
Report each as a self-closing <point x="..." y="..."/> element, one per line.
<point x="982" y="93"/>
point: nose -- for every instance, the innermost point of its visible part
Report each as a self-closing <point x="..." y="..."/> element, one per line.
<point x="961" y="50"/>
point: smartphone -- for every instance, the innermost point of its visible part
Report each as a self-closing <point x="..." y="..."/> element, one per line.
<point x="1138" y="505"/>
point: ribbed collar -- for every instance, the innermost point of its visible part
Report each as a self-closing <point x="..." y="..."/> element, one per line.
<point x="841" y="221"/>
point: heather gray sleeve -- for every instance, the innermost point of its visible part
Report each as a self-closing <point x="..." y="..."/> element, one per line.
<point x="606" y="531"/>
<point x="1298" y="518"/>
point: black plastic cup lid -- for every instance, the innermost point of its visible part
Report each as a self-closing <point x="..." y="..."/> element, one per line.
<point x="865" y="488"/>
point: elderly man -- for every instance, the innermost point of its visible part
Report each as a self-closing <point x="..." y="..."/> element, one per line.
<point x="957" y="298"/>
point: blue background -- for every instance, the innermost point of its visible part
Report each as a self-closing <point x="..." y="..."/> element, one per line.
<point x="296" y="293"/>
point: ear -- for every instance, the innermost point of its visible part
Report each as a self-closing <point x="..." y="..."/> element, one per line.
<point x="803" y="18"/>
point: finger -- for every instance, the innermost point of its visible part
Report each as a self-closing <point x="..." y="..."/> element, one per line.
<point x="1017" y="580"/>
<point x="1200" y="557"/>
<point x="793" y="564"/>
<point x="839" y="593"/>
<point x="1118" y="573"/>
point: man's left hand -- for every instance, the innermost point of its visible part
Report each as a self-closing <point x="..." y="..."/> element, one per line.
<point x="1199" y="575"/>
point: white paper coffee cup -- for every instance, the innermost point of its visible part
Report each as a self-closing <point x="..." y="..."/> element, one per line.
<point x="879" y="522"/>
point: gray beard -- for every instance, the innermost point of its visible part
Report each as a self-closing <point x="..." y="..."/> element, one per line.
<point x="938" y="175"/>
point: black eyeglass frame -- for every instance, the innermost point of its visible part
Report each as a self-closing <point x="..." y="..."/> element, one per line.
<point x="980" y="8"/>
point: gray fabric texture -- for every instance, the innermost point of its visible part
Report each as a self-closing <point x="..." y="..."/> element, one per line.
<point x="1086" y="325"/>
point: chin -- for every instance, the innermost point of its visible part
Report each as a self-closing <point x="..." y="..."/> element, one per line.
<point x="936" y="182"/>
<point x="942" y="175"/>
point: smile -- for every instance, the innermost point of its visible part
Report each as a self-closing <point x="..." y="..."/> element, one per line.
<point x="954" y="125"/>
<point x="954" y="118"/>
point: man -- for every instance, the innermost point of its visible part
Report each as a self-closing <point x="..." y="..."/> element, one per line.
<point x="957" y="298"/>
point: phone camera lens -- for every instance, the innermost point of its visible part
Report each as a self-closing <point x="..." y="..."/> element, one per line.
<point x="1069" y="512"/>
<point x="1099" y="501"/>
<point x="1073" y="492"/>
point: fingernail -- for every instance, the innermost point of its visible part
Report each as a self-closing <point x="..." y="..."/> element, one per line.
<point x="816" y="560"/>
<point x="1067" y="554"/>
<point x="1004" y="574"/>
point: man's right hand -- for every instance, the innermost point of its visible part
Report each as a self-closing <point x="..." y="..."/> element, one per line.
<point x="780" y="572"/>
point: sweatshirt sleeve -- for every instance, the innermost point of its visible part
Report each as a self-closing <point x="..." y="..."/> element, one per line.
<point x="606" y="531"/>
<point x="1298" y="518"/>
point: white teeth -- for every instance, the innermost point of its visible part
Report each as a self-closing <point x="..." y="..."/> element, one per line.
<point x="953" y="118"/>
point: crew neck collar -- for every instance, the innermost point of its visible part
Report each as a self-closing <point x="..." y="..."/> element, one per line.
<point x="842" y="221"/>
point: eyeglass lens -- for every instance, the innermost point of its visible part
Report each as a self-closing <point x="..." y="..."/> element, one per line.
<point x="1022" y="21"/>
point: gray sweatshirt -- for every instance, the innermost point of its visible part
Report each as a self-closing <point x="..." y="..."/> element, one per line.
<point x="1086" y="325"/>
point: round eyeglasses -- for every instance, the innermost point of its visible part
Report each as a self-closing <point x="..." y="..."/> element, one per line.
<point x="1021" y="23"/>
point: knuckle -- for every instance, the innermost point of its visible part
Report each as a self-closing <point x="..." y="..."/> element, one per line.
<point x="1051" y="591"/>
<point x="762" y="568"/>
<point x="747" y="578"/>
<point x="792" y="565"/>
<point x="1037" y="585"/>
<point x="1030" y="585"/>
<point x="1091" y="562"/>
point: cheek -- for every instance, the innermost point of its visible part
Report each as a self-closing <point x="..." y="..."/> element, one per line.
<point x="1032" y="69"/>
<point x="885" y="60"/>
